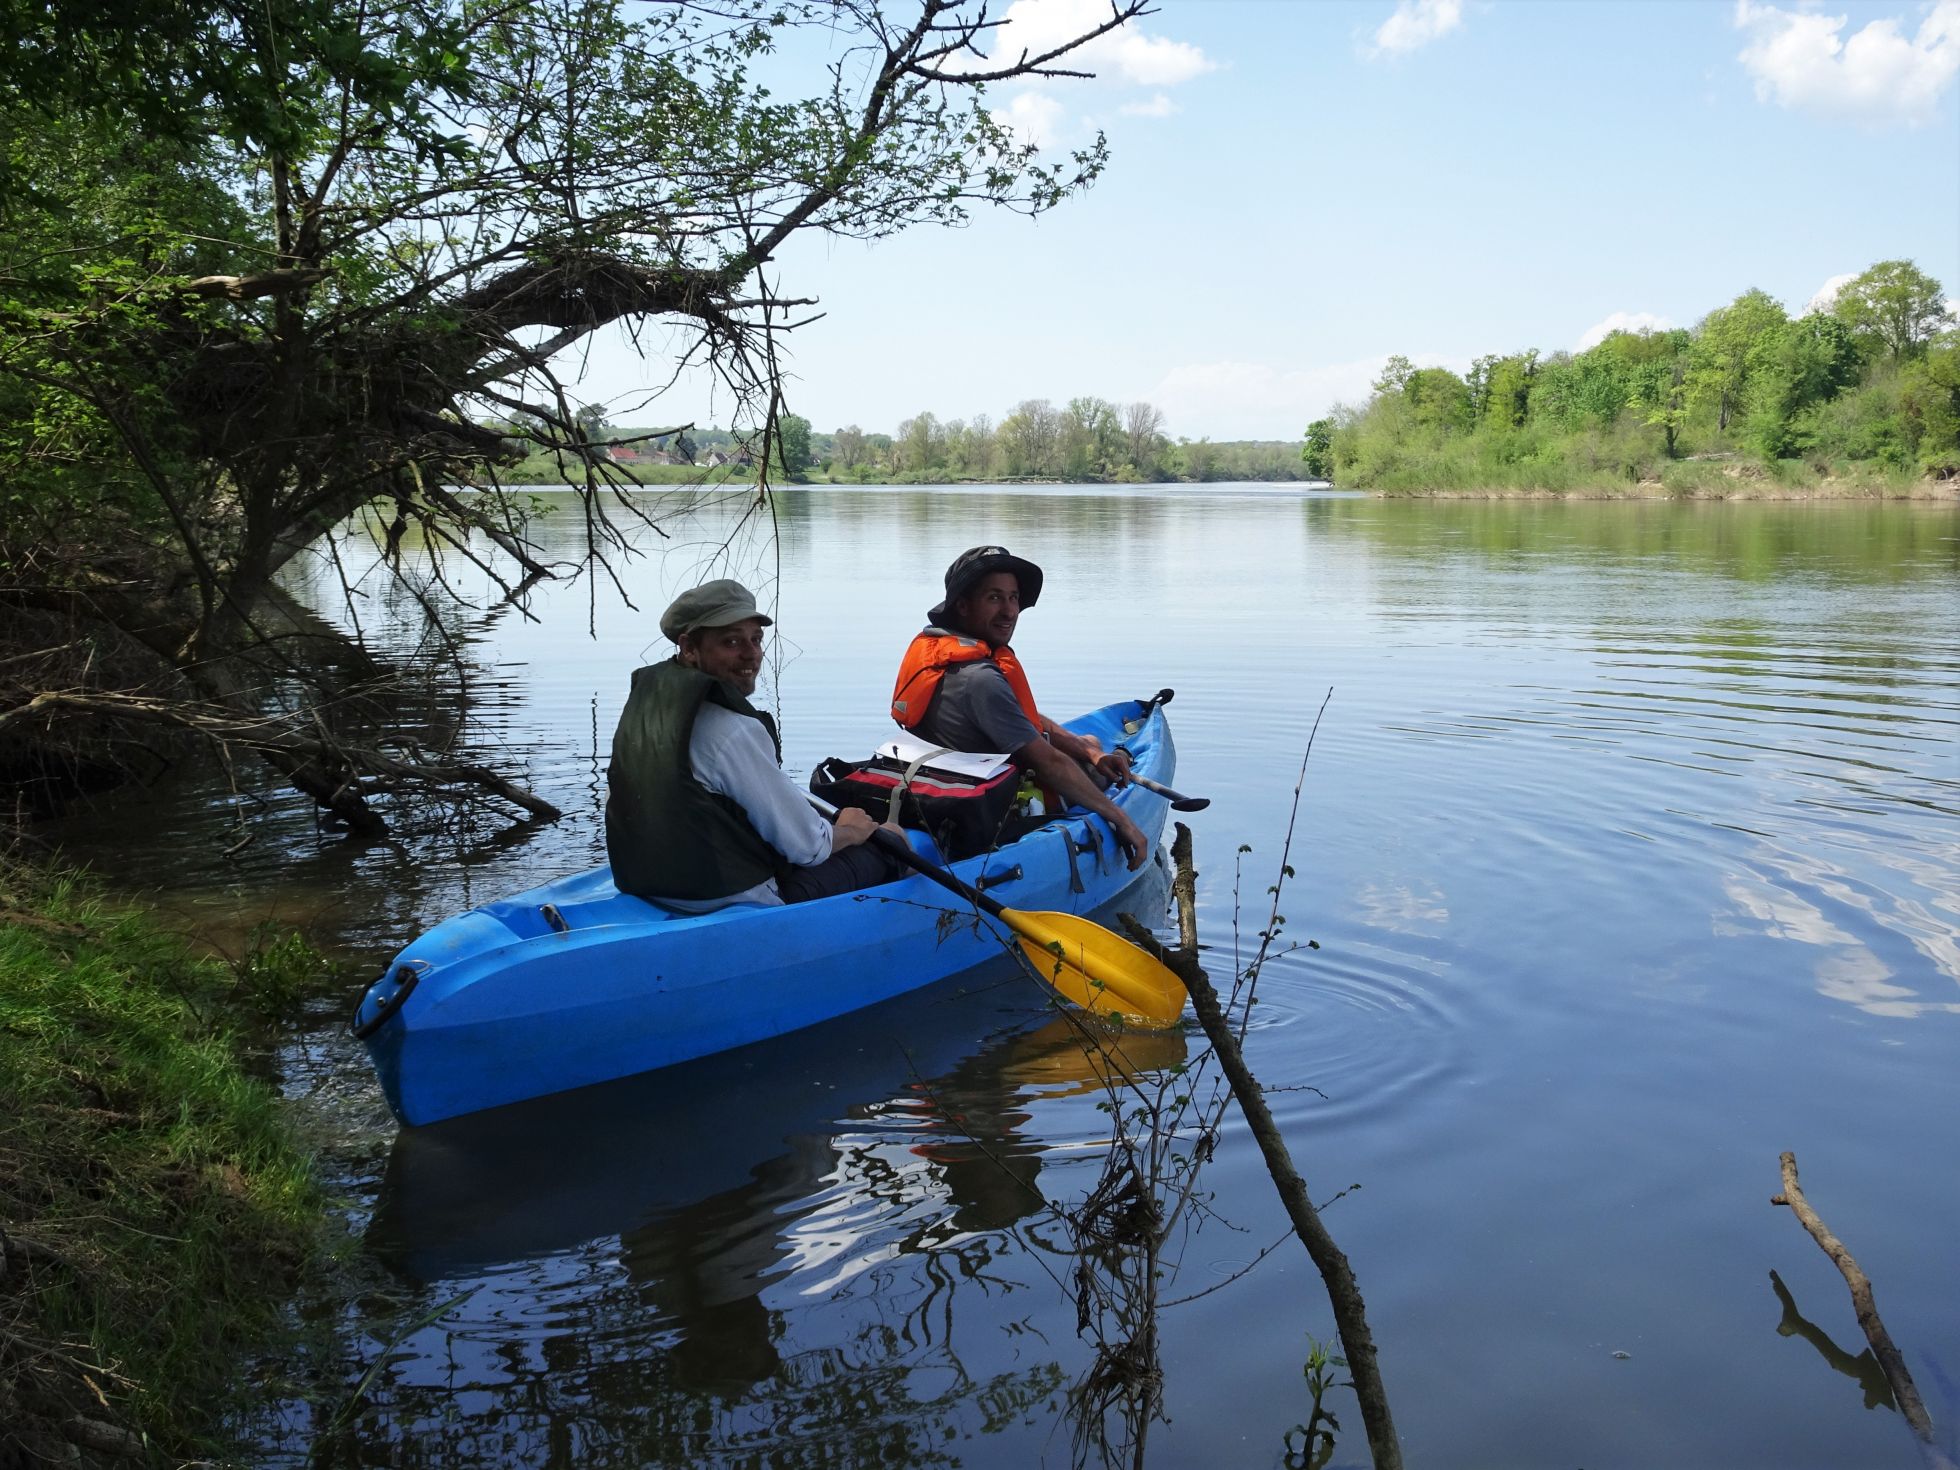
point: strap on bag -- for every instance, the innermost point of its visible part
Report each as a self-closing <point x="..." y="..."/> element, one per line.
<point x="905" y="781"/>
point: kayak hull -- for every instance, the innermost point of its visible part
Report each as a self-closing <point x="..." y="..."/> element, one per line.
<point x="575" y="983"/>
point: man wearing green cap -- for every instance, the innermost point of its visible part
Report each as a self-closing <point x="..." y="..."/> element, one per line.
<point x="699" y="814"/>
<point x="961" y="686"/>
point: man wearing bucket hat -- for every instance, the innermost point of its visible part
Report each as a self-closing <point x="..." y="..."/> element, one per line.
<point x="699" y="814"/>
<point x="961" y="686"/>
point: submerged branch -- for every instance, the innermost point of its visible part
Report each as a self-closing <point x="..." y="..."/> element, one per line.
<point x="1350" y="1313"/>
<point x="1904" y="1392"/>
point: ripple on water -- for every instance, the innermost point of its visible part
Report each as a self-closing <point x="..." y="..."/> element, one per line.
<point x="1336" y="1038"/>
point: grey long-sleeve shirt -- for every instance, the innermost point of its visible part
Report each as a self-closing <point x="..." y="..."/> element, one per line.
<point x="732" y="754"/>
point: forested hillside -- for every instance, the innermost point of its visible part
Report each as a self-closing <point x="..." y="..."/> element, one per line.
<point x="1866" y="387"/>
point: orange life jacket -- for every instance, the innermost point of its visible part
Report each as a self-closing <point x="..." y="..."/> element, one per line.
<point x="935" y="651"/>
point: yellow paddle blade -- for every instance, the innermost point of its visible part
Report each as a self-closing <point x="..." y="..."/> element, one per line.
<point x="1098" y="970"/>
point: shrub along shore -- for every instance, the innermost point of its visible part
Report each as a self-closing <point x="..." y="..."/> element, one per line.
<point x="1724" y="478"/>
<point x="156" y="1207"/>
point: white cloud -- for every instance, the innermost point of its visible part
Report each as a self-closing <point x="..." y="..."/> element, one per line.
<point x="1127" y="57"/>
<point x="1624" y="321"/>
<point x="1034" y="117"/>
<point x="1157" y="61"/>
<point x="1416" y="23"/>
<point x="1876" y="76"/>
<point x="1035" y="26"/>
<point x="1826" y="295"/>
<point x="1256" y="400"/>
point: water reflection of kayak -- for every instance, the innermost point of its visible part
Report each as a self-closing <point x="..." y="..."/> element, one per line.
<point x="575" y="983"/>
<point x="741" y="1137"/>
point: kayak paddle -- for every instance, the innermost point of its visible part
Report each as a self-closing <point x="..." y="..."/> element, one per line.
<point x="1100" y="971"/>
<point x="1179" y="801"/>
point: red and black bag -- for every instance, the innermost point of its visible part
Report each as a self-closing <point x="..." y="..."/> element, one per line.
<point x="965" y="814"/>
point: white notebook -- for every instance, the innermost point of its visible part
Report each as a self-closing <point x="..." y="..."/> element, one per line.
<point x="978" y="765"/>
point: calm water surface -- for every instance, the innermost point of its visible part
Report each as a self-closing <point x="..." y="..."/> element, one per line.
<point x="1631" y="839"/>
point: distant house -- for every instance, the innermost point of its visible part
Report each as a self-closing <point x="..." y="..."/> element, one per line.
<point x="638" y="454"/>
<point x="714" y="459"/>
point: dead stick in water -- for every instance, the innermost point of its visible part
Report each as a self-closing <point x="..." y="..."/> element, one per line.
<point x="1904" y="1393"/>
<point x="1350" y="1314"/>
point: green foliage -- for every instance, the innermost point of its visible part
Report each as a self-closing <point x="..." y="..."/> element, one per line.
<point x="793" y="455"/>
<point x="1867" y="422"/>
<point x="1506" y="388"/>
<point x="1895" y="308"/>
<point x="1719" y="360"/>
<point x="1438" y="400"/>
<point x="136" y="1147"/>
<point x="1628" y="412"/>
<point x="1930" y="402"/>
<point x="1315" y="1438"/>
<point x="184" y="70"/>
<point x="265" y="265"/>
<point x="1318" y="453"/>
<point x="1794" y="366"/>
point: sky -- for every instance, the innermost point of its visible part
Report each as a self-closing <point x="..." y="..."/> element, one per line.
<point x="1300" y="188"/>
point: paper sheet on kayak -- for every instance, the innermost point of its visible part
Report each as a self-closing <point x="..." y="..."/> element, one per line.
<point x="976" y="765"/>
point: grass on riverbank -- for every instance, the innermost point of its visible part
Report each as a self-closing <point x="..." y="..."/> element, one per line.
<point x="154" y="1206"/>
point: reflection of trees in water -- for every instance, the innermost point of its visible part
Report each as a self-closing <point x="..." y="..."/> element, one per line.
<point x="1757" y="541"/>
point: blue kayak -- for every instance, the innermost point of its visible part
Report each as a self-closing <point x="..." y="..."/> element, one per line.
<point x="574" y="982"/>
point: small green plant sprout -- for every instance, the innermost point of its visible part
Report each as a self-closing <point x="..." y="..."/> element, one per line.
<point x="1316" y="1437"/>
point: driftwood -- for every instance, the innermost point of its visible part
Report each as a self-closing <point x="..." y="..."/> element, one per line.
<point x="1350" y="1314"/>
<point x="104" y="1438"/>
<point x="1904" y="1392"/>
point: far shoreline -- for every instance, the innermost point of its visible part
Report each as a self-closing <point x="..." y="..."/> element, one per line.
<point x="1726" y="483"/>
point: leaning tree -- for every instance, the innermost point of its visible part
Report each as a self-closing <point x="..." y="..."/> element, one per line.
<point x="264" y="267"/>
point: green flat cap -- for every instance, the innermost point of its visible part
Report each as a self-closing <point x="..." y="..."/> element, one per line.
<point x="714" y="604"/>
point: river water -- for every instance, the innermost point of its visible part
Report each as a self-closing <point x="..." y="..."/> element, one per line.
<point x="1630" y="840"/>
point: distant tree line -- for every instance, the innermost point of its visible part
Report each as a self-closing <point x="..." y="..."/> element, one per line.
<point x="1085" y="440"/>
<point x="1871" y="380"/>
<point x="1089" y="440"/>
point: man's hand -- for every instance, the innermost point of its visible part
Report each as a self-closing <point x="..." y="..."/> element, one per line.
<point x="1115" y="765"/>
<point x="1058" y="771"/>
<point x="1130" y="838"/>
<point x="852" y="827"/>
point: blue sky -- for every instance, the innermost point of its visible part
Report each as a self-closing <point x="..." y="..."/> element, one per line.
<point x="1299" y="188"/>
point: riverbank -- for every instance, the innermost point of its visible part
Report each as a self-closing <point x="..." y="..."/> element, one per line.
<point x="1711" y="479"/>
<point x="156" y="1207"/>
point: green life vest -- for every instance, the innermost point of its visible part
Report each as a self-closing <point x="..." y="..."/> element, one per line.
<point x="667" y="835"/>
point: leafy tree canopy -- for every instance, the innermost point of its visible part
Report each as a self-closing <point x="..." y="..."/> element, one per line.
<point x="265" y="265"/>
<point x="1894" y="306"/>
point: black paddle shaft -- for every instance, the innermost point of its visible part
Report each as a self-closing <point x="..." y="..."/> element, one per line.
<point x="1178" y="800"/>
<point x="892" y="844"/>
<point x="899" y="848"/>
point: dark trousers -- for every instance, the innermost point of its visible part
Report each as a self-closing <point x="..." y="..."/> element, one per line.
<point x="863" y="866"/>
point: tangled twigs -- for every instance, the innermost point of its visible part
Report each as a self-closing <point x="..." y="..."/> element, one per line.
<point x="343" y="773"/>
<point x="1904" y="1392"/>
<point x="1350" y="1314"/>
